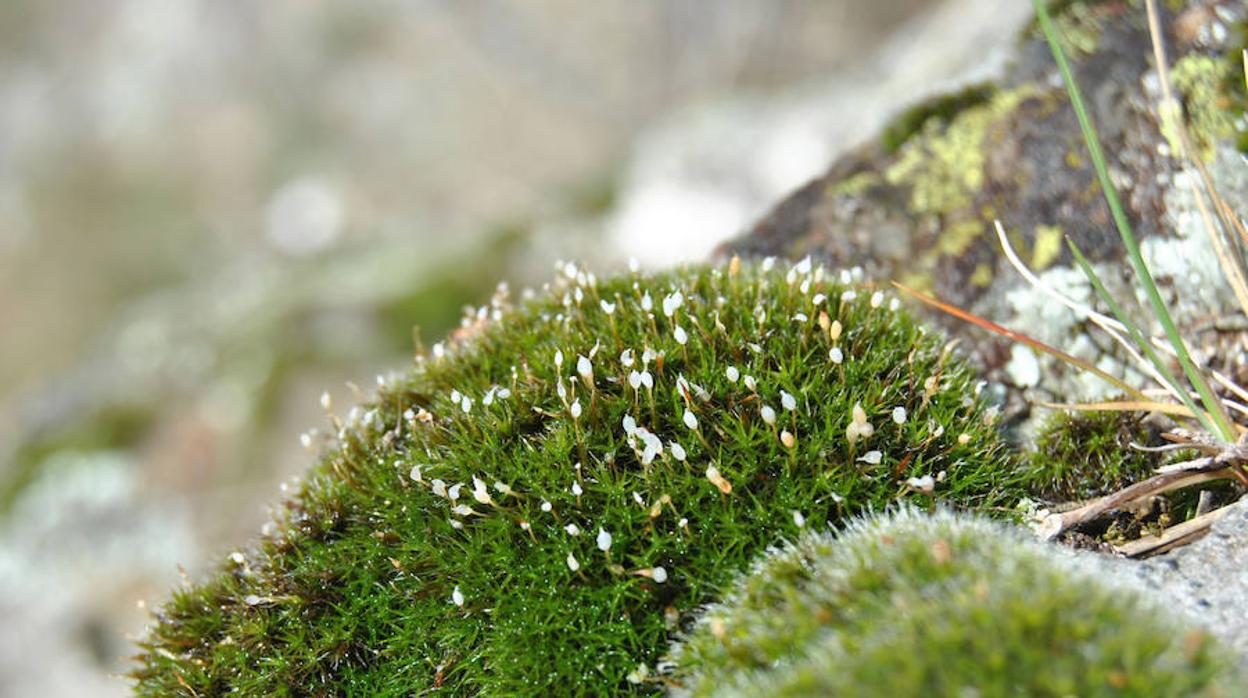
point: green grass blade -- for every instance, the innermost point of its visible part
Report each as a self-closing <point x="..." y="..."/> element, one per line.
<point x="1212" y="406"/>
<point x="1138" y="337"/>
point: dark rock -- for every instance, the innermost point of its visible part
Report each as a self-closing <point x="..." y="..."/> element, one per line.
<point x="918" y="205"/>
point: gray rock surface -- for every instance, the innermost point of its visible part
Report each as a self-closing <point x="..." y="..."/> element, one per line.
<point x="1208" y="579"/>
<point x="917" y="204"/>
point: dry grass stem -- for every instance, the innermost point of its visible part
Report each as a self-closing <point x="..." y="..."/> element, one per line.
<point x="1230" y="254"/>
<point x="1109" y="325"/>
<point x="1176" y="536"/>
<point x="1055" y="524"/>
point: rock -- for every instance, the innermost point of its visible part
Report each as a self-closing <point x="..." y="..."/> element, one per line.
<point x="703" y="173"/>
<point x="917" y="205"/>
<point x="1206" y="579"/>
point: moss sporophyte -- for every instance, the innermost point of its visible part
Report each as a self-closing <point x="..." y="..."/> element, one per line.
<point x="539" y="503"/>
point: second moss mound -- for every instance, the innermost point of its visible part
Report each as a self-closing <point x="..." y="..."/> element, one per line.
<point x="944" y="606"/>
<point x="537" y="505"/>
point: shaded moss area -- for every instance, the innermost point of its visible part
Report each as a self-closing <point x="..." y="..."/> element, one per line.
<point x="940" y="109"/>
<point x="1082" y="455"/>
<point x="911" y="605"/>
<point x="503" y="522"/>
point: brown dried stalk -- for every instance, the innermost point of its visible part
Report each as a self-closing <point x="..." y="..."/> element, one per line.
<point x="1054" y="524"/>
<point x="1220" y="461"/>
<point x="1176" y="536"/>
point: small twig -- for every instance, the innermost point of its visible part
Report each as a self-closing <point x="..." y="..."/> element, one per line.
<point x="1198" y="465"/>
<point x="1158" y="449"/>
<point x="1159" y="50"/>
<point x="1204" y="504"/>
<point x="1230" y="385"/>
<point x="1202" y="441"/>
<point x="1054" y="524"/>
<point x="1220" y="323"/>
<point x="1187" y="532"/>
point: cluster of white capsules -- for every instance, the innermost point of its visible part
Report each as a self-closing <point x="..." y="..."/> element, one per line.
<point x="648" y="446"/>
<point x="578" y="286"/>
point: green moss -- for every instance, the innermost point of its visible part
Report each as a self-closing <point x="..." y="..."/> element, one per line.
<point x="942" y="606"/>
<point x="1082" y="455"/>
<point x="354" y="590"/>
<point x="940" y="109"/>
<point x="944" y="168"/>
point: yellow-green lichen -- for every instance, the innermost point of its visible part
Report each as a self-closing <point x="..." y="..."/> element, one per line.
<point x="982" y="276"/>
<point x="1079" y="22"/>
<point x="1210" y="118"/>
<point x="957" y="237"/>
<point x="919" y="280"/>
<point x="1080" y="26"/>
<point x="853" y="185"/>
<point x="945" y="169"/>
<point x="1048" y="246"/>
<point x="940" y="109"/>
<point x="1234" y="85"/>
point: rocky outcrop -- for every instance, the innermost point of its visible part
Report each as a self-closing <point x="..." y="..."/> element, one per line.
<point x="917" y="204"/>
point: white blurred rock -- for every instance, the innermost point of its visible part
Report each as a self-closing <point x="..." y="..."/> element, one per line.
<point x="304" y="216"/>
<point x="704" y="174"/>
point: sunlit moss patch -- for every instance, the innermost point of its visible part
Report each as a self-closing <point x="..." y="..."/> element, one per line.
<point x="537" y="504"/>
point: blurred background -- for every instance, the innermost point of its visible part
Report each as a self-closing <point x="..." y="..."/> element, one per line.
<point x="212" y="211"/>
